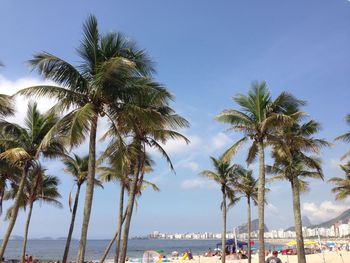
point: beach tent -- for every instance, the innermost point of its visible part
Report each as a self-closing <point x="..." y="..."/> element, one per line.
<point x="150" y="256"/>
<point x="231" y="244"/>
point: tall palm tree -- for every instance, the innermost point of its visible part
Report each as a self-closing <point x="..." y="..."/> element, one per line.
<point x="150" y="123"/>
<point x="342" y="185"/>
<point x="89" y="91"/>
<point x="77" y="167"/>
<point x="292" y="161"/>
<point x="121" y="171"/>
<point x="248" y="186"/>
<point x="257" y="119"/>
<point x="345" y="137"/>
<point x="225" y="174"/>
<point x="23" y="146"/>
<point x="39" y="187"/>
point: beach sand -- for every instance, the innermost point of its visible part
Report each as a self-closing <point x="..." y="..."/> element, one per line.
<point x="330" y="257"/>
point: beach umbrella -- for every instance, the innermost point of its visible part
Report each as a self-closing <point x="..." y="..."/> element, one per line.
<point x="310" y="242"/>
<point x="292" y="243"/>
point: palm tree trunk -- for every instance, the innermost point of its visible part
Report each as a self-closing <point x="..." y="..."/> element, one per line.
<point x="120" y="223"/>
<point x="298" y="221"/>
<point x="223" y="235"/>
<point x="130" y="207"/>
<point x="249" y="232"/>
<point x="131" y="201"/>
<point x="116" y="237"/>
<point x="24" y="248"/>
<point x="14" y="211"/>
<point x="119" y="226"/>
<point x="261" y="201"/>
<point x="89" y="189"/>
<point x="71" y="227"/>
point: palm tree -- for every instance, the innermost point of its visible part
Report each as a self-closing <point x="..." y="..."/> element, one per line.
<point x="149" y="123"/>
<point x="23" y="146"/>
<point x="345" y="137"/>
<point x="258" y="118"/>
<point x="121" y="171"/>
<point x="248" y="186"/>
<point x="342" y="188"/>
<point x="225" y="174"/>
<point x="90" y="91"/>
<point x="77" y="167"/>
<point x="292" y="162"/>
<point x="39" y="187"/>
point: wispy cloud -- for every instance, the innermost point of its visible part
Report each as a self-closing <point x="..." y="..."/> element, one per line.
<point x="197" y="183"/>
<point x="323" y="212"/>
<point x="220" y="140"/>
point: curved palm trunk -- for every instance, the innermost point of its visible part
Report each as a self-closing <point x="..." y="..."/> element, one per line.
<point x="14" y="212"/>
<point x="89" y="190"/>
<point x="116" y="237"/>
<point x="249" y="232"/>
<point x="223" y="237"/>
<point x="119" y="226"/>
<point x="130" y="207"/>
<point x="298" y="221"/>
<point x="261" y="201"/>
<point x="120" y="223"/>
<point x="71" y="226"/>
<point x="24" y="248"/>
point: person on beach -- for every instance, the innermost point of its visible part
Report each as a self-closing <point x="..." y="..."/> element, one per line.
<point x="209" y="253"/>
<point x="274" y="258"/>
<point x="30" y="259"/>
<point x="189" y="255"/>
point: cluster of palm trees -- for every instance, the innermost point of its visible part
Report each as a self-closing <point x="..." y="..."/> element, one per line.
<point x="280" y="127"/>
<point x="114" y="83"/>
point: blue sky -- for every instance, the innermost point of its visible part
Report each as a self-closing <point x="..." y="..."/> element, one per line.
<point x="206" y="51"/>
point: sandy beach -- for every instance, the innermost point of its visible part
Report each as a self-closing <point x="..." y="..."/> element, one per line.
<point x="330" y="257"/>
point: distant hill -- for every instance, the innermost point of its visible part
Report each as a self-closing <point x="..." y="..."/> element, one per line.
<point x="305" y="221"/>
<point x="255" y="226"/>
<point x="14" y="237"/>
<point x="344" y="217"/>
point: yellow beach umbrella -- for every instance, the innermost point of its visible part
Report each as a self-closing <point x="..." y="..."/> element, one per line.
<point x="310" y="242"/>
<point x="292" y="243"/>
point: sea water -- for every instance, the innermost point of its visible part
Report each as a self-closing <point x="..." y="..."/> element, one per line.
<point x="53" y="249"/>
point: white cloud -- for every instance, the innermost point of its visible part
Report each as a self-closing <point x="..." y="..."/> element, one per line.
<point x="325" y="211"/>
<point x="191" y="165"/>
<point x="10" y="87"/>
<point x="173" y="147"/>
<point x="220" y="140"/>
<point x="197" y="183"/>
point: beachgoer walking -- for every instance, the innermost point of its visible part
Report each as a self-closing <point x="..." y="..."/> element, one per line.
<point x="274" y="258"/>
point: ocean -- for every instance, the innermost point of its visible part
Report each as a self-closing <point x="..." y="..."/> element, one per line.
<point x="53" y="249"/>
